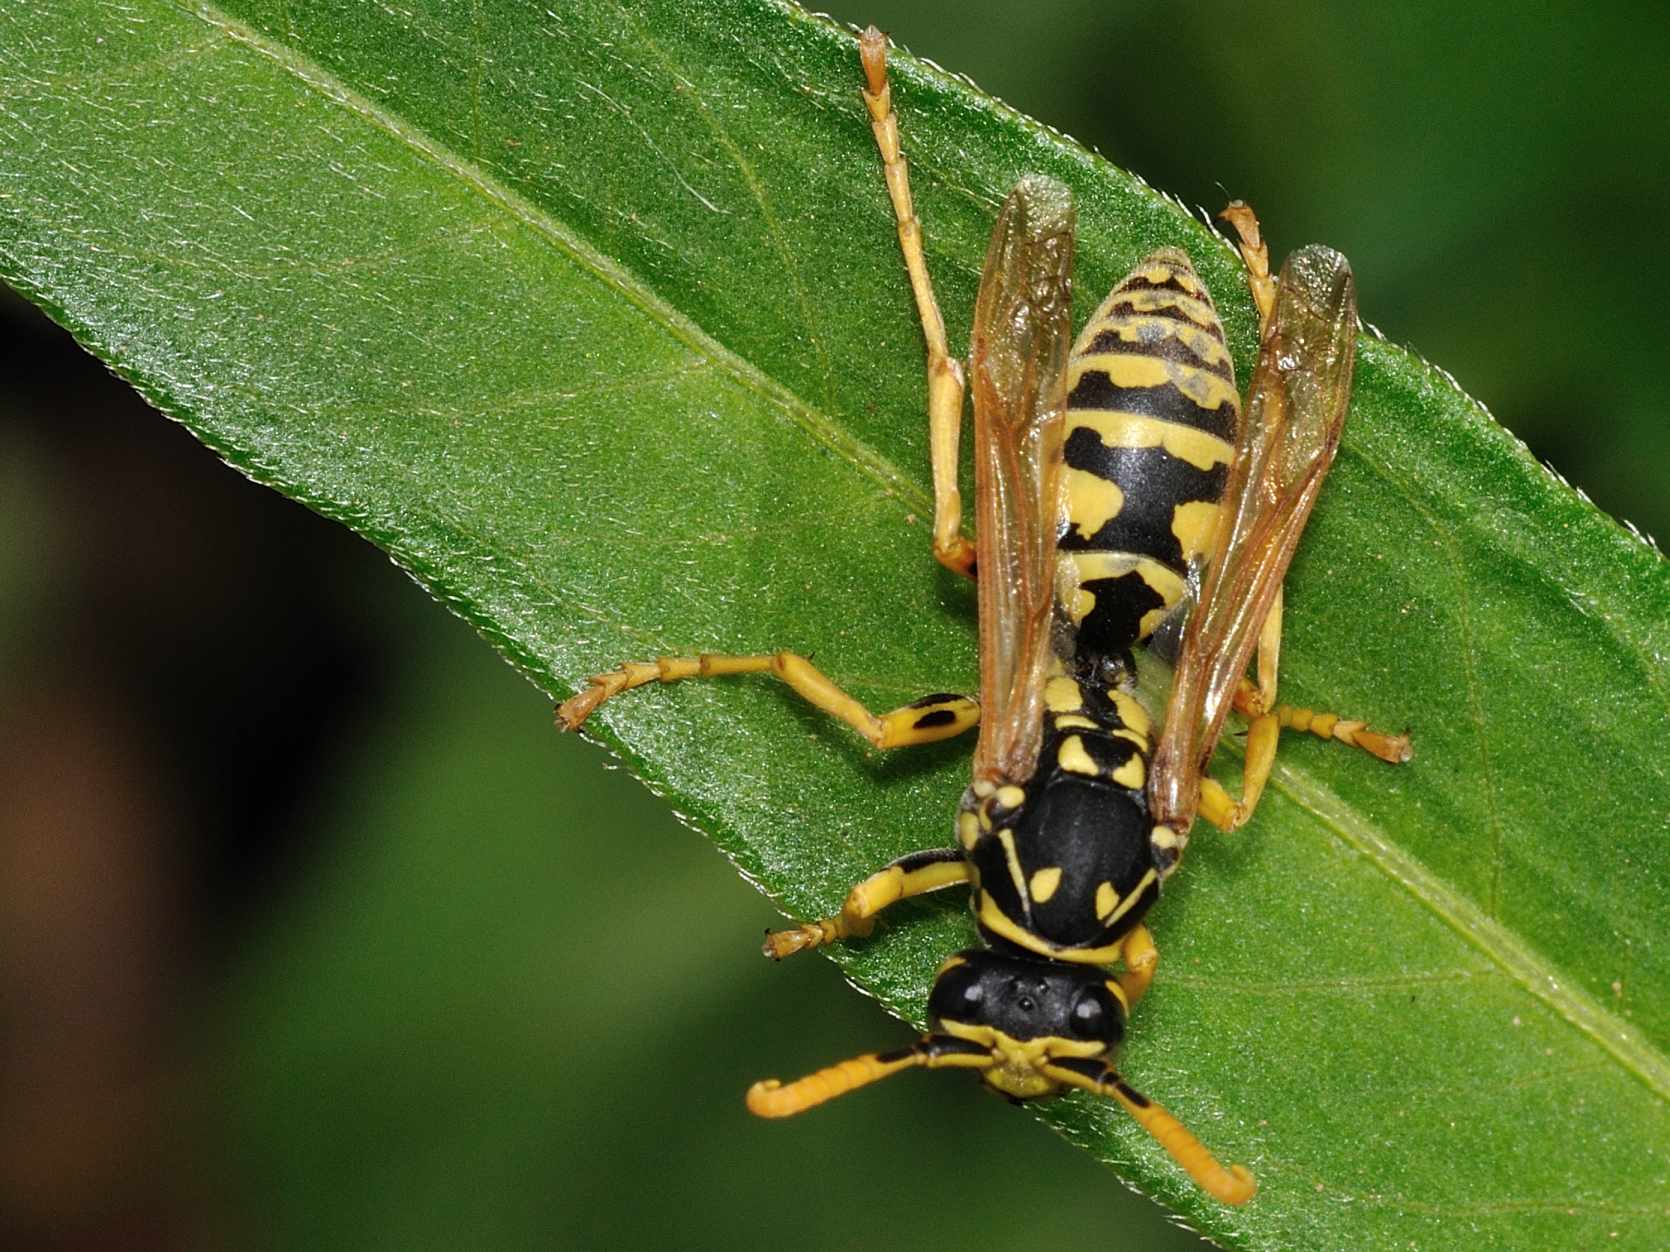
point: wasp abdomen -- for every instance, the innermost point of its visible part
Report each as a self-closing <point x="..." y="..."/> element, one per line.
<point x="1152" y="415"/>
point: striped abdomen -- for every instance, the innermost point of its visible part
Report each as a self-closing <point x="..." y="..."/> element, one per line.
<point x="1152" y="413"/>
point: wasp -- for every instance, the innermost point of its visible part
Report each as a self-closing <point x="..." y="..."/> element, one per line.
<point x="1120" y="492"/>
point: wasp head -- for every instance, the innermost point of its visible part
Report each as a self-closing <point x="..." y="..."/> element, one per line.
<point x="1029" y="1015"/>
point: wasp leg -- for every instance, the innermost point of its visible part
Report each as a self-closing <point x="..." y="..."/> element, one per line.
<point x="1227" y="813"/>
<point x="908" y="876"/>
<point x="952" y="548"/>
<point x="1256" y="254"/>
<point x="1141" y="957"/>
<point x="928" y="720"/>
<point x="1269" y="658"/>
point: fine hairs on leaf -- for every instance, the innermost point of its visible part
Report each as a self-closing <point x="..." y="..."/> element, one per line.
<point x="652" y="384"/>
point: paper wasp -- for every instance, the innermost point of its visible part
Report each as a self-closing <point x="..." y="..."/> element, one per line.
<point x="1110" y="472"/>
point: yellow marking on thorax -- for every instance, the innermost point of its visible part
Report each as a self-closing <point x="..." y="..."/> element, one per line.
<point x="1129" y="370"/>
<point x="1006" y="837"/>
<point x="1196" y="524"/>
<point x="1075" y="721"/>
<point x="992" y="918"/>
<point x="1072" y="757"/>
<point x="1111" y="909"/>
<point x="1107" y="899"/>
<point x="1131" y="712"/>
<point x="1092" y="501"/>
<point x="1043" y="884"/>
<point x="1062" y="695"/>
<point x="968" y="830"/>
<point x="1136" y="430"/>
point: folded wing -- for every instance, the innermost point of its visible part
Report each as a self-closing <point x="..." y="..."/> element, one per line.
<point x="1290" y="431"/>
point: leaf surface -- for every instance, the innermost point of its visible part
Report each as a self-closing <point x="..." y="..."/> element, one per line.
<point x="592" y="318"/>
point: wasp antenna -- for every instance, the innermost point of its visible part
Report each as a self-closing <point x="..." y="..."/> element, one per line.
<point x="1234" y="1185"/>
<point x="770" y="1098"/>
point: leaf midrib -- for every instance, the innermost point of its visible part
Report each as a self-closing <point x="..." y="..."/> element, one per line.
<point x="1350" y="825"/>
<point x="1516" y="958"/>
<point x="1490" y="938"/>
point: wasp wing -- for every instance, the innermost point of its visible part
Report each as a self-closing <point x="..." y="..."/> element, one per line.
<point x="1290" y="431"/>
<point x="1018" y="354"/>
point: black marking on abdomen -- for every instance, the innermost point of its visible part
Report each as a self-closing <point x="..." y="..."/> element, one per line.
<point x="1137" y="282"/>
<point x="1154" y="482"/>
<point x="1114" y="623"/>
<point x="1165" y="347"/>
<point x="1167" y="402"/>
<point x="1119" y="310"/>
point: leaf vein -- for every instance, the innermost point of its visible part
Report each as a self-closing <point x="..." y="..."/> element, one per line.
<point x="29" y="88"/>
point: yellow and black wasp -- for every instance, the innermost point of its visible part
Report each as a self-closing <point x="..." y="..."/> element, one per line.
<point x="1110" y="473"/>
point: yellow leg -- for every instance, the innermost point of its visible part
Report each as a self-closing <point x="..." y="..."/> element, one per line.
<point x="952" y="548"/>
<point x="1269" y="660"/>
<point x="1227" y="813"/>
<point x="1141" y="957"/>
<point x="928" y="720"/>
<point x="908" y="876"/>
<point x="1218" y="806"/>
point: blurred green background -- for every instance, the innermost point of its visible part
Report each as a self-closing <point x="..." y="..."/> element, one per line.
<point x="313" y="934"/>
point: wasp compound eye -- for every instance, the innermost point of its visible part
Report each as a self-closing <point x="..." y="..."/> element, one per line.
<point x="1096" y="1015"/>
<point x="958" y="995"/>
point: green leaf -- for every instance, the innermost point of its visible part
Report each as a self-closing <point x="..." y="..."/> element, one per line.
<point x="593" y="319"/>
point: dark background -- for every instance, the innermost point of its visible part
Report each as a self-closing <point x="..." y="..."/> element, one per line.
<point x="292" y="867"/>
